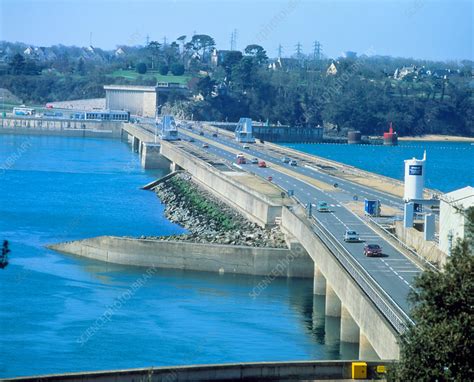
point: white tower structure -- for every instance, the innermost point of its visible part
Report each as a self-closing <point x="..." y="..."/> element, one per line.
<point x="243" y="131"/>
<point x="167" y="128"/>
<point x="414" y="178"/>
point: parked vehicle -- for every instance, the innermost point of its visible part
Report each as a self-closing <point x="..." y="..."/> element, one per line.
<point x="293" y="163"/>
<point x="262" y="164"/>
<point x="254" y="161"/>
<point x="24" y="111"/>
<point x="371" y="250"/>
<point x="323" y="207"/>
<point x="351" y="237"/>
<point x="285" y="160"/>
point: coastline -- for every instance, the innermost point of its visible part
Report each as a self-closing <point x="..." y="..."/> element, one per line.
<point x="437" y="138"/>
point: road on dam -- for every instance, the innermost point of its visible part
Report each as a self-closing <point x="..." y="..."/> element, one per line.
<point x="393" y="271"/>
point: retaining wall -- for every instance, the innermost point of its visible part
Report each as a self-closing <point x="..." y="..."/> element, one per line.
<point x="414" y="239"/>
<point x="253" y="205"/>
<point x="192" y="256"/>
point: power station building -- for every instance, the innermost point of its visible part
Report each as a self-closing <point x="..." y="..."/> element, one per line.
<point x="141" y="100"/>
<point x="138" y="100"/>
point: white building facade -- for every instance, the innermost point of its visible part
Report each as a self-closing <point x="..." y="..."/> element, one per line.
<point x="452" y="218"/>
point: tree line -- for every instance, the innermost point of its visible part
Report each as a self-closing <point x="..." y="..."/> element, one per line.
<point x="362" y="93"/>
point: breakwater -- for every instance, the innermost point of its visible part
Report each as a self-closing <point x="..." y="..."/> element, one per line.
<point x="218" y="240"/>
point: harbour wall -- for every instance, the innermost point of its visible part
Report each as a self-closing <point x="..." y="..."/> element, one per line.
<point x="60" y="127"/>
<point x="261" y="371"/>
<point x="220" y="258"/>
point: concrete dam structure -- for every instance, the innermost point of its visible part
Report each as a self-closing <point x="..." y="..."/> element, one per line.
<point x="367" y="315"/>
<point x="369" y="302"/>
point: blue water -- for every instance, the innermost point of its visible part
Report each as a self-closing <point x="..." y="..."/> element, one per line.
<point x="62" y="313"/>
<point x="449" y="166"/>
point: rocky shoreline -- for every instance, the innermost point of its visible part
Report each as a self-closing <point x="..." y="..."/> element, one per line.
<point x="208" y="219"/>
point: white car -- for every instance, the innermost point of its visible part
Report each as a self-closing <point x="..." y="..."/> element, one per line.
<point x="246" y="147"/>
<point x="351" y="237"/>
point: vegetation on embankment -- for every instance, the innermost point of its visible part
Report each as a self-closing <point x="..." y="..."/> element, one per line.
<point x="208" y="219"/>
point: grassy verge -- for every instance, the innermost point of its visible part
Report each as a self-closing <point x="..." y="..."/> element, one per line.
<point x="132" y="75"/>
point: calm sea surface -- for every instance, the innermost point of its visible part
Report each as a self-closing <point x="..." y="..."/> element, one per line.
<point x="450" y="165"/>
<point x="61" y="313"/>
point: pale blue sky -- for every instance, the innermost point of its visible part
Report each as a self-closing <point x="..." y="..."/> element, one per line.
<point x="432" y="29"/>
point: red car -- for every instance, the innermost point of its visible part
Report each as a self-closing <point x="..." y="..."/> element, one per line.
<point x="371" y="250"/>
<point x="262" y="164"/>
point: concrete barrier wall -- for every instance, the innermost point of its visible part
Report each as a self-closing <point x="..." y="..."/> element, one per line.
<point x="254" y="206"/>
<point x="61" y="127"/>
<point x="371" y="322"/>
<point x="414" y="239"/>
<point x="192" y="256"/>
<point x="263" y="371"/>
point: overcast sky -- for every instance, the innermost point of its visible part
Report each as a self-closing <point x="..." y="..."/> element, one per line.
<point x="431" y="29"/>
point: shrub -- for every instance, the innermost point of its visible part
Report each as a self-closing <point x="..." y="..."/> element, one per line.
<point x="141" y="68"/>
<point x="177" y="69"/>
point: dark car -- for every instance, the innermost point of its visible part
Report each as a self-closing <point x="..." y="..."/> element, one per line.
<point x="371" y="250"/>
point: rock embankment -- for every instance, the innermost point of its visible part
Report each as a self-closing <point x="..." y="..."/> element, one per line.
<point x="208" y="219"/>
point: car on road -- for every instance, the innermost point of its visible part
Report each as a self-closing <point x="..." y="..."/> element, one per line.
<point x="371" y="250"/>
<point x="241" y="160"/>
<point x="191" y="140"/>
<point x="246" y="147"/>
<point x="205" y="146"/>
<point x="323" y="207"/>
<point x="214" y="134"/>
<point x="254" y="160"/>
<point x="262" y="164"/>
<point x="285" y="160"/>
<point x="351" y="236"/>
<point x="201" y="132"/>
<point x="293" y="163"/>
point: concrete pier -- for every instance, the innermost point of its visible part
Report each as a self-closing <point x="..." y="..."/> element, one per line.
<point x="333" y="303"/>
<point x="319" y="283"/>
<point x="349" y="328"/>
<point x="366" y="351"/>
<point x="151" y="157"/>
<point x="135" y="144"/>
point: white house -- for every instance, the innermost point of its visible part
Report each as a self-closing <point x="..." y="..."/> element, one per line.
<point x="452" y="218"/>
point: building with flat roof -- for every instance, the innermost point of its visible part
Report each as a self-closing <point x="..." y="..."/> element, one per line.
<point x="138" y="100"/>
<point x="452" y="218"/>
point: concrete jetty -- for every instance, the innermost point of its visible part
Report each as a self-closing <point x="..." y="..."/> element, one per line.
<point x="278" y="262"/>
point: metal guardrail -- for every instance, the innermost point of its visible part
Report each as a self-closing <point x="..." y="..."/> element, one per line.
<point x="386" y="305"/>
